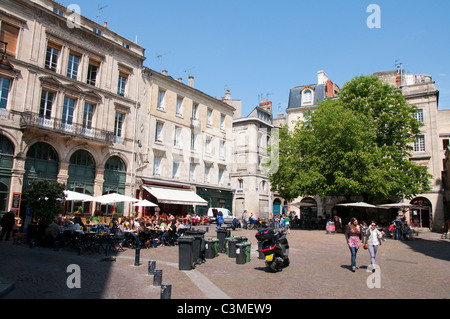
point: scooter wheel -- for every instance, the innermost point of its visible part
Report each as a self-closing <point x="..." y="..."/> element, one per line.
<point x="286" y="262"/>
<point x="273" y="267"/>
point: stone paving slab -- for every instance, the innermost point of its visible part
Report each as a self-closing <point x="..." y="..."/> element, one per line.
<point x="319" y="269"/>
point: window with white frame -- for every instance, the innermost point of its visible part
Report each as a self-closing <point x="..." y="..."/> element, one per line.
<point x="179" y="105"/>
<point x="45" y="110"/>
<point x="207" y="171"/>
<point x="418" y="115"/>
<point x="175" y="170"/>
<point x="156" y="166"/>
<point x="177" y="138"/>
<point x="419" y="144"/>
<point x="161" y="96"/>
<point x="222" y="122"/>
<point x="72" y="66"/>
<point x="307" y="96"/>
<point x="67" y="114"/>
<point x="5" y="86"/>
<point x="194" y="110"/>
<point x="220" y="179"/>
<point x="93" y="70"/>
<point x="52" y="56"/>
<point x="88" y="116"/>
<point x="208" y="145"/>
<point x="158" y="133"/>
<point x="191" y="172"/>
<point x="208" y="117"/>
<point x="193" y="141"/>
<point x="122" y="84"/>
<point x="222" y="149"/>
<point x="118" y="126"/>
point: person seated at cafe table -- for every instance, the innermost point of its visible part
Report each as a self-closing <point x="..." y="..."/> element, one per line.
<point x="163" y="233"/>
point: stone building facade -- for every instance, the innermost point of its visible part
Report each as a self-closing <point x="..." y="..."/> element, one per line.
<point x="430" y="147"/>
<point x="69" y="102"/>
<point x="185" y="145"/>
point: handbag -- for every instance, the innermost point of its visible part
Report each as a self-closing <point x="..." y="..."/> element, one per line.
<point x="366" y="246"/>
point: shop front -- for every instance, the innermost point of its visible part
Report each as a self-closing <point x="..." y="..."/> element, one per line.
<point x="215" y="197"/>
<point x="172" y="198"/>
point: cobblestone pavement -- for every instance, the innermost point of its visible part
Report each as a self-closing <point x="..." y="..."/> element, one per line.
<point x="319" y="268"/>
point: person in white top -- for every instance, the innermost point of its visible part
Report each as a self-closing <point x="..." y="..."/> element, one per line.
<point x="373" y="240"/>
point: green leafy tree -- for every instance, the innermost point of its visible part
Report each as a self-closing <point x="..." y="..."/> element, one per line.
<point x="358" y="144"/>
<point x="46" y="199"/>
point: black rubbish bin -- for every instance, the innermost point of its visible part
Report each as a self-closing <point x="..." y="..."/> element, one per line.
<point x="186" y="253"/>
<point x="240" y="254"/>
<point x="210" y="250"/>
<point x="222" y="234"/>
<point x="232" y="247"/>
<point x="199" y="244"/>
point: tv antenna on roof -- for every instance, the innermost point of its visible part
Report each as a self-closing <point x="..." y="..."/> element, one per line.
<point x="159" y="56"/>
<point x="100" y="10"/>
<point x="186" y="71"/>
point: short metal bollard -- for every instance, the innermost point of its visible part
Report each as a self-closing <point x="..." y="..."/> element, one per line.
<point x="166" y="291"/>
<point x="151" y="267"/>
<point x="157" y="277"/>
<point x="137" y="256"/>
<point x="107" y="250"/>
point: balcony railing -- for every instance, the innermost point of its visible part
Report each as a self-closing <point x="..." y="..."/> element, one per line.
<point x="33" y="120"/>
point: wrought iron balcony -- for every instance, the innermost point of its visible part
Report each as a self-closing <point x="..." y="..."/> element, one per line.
<point x="33" y="120"/>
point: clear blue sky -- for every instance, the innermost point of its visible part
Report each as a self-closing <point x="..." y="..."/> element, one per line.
<point x="262" y="48"/>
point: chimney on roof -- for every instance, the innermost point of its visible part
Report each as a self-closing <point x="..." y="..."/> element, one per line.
<point x="191" y="81"/>
<point x="322" y="78"/>
<point x="227" y="96"/>
<point x="398" y="80"/>
<point x="180" y="80"/>
<point x="164" y="72"/>
<point x="106" y="24"/>
<point x="266" y="105"/>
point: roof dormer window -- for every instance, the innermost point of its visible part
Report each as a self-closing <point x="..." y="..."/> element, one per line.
<point x="307" y="96"/>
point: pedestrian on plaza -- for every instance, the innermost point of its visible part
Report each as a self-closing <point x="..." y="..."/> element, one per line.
<point x="398" y="228"/>
<point x="287" y="226"/>
<point x="276" y="221"/>
<point x="7" y="224"/>
<point x="353" y="237"/>
<point x="219" y="220"/>
<point x="373" y="240"/>
<point x="244" y="219"/>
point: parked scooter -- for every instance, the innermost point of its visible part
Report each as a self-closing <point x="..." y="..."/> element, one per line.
<point x="275" y="248"/>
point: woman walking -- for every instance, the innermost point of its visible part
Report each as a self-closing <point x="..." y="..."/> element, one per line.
<point x="373" y="240"/>
<point x="353" y="236"/>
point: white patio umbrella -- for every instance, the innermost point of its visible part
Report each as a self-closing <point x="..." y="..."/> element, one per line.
<point x="357" y="204"/>
<point x="303" y="204"/>
<point x="395" y="205"/>
<point x="114" y="198"/>
<point x="77" y="197"/>
<point x="145" y="203"/>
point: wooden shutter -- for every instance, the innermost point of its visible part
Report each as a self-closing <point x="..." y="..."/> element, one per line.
<point x="9" y="34"/>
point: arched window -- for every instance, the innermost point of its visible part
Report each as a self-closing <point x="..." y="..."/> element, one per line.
<point x="307" y="96"/>
<point x="82" y="158"/>
<point x="42" y="162"/>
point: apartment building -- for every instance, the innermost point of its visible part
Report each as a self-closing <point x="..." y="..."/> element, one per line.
<point x="186" y="139"/>
<point x="252" y="138"/>
<point x="304" y="98"/>
<point x="69" y="97"/>
<point x="430" y="147"/>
